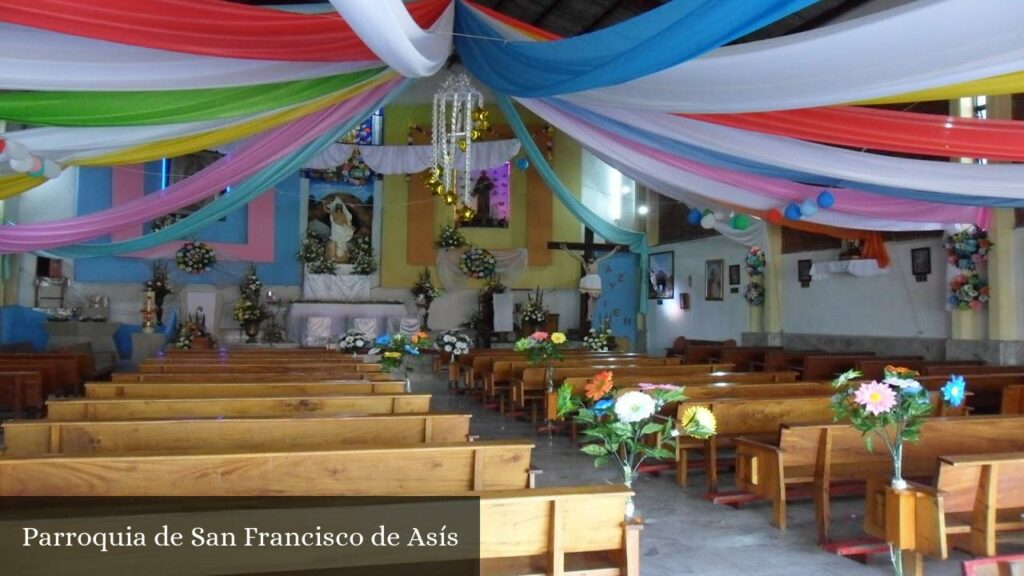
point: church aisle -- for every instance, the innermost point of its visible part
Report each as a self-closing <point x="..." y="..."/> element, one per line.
<point x="685" y="534"/>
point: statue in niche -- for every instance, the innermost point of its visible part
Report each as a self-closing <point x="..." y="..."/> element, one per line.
<point x="346" y="219"/>
<point x="482" y="192"/>
<point x="590" y="283"/>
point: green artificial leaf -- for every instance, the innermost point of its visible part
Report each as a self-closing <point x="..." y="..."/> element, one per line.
<point x="652" y="428"/>
<point x="594" y="450"/>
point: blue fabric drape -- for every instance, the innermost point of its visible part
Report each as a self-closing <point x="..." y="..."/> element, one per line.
<point x="661" y="38"/>
<point x="722" y="160"/>
<point x="240" y="195"/>
<point x="20" y="324"/>
<point x="637" y="241"/>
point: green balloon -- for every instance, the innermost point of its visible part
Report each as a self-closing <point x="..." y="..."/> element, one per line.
<point x="741" y="221"/>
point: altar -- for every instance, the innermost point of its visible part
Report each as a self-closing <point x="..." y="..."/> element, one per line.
<point x="341" y="316"/>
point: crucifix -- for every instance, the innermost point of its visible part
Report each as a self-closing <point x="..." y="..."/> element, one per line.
<point x="590" y="282"/>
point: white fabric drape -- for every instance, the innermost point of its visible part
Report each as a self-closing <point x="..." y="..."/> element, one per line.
<point x="999" y="180"/>
<point x="388" y="29"/>
<point x="691" y="188"/>
<point x="33" y="59"/>
<point x="921" y="45"/>
<point x="413" y="159"/>
<point x="510" y="266"/>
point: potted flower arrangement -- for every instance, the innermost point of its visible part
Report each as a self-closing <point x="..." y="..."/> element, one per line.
<point x="249" y="315"/>
<point x="195" y="257"/>
<point x="360" y="252"/>
<point x="425" y="292"/>
<point x="626" y="427"/>
<point x="454" y="343"/>
<point x="755" y="261"/>
<point x="450" y="237"/>
<point x="541" y="347"/>
<point x="599" y="339"/>
<point x="754" y="294"/>
<point x="160" y="285"/>
<point x="313" y="254"/>
<point x="394" y="349"/>
<point x="478" y="263"/>
<point x="534" y="315"/>
<point x="251" y="286"/>
<point x="891" y="411"/>
<point x="353" y="341"/>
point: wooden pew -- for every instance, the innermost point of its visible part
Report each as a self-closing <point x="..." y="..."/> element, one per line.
<point x="744" y="358"/>
<point x="680" y="344"/>
<point x="28" y="437"/>
<point x="400" y="470"/>
<point x="50" y="373"/>
<point x="505" y="370"/>
<point x="86" y="363"/>
<point x="969" y="369"/>
<point x="21" y="390"/>
<point x="143" y="408"/>
<point x="230" y="377"/>
<point x="472" y="366"/>
<point x="986" y="390"/>
<point x="873" y="368"/>
<point x="257" y="368"/>
<point x="190" y="353"/>
<point x="1008" y="565"/>
<point x="824" y="454"/>
<point x="794" y="359"/>
<point x="239" y="390"/>
<point x="974" y="498"/>
<point x="1013" y="400"/>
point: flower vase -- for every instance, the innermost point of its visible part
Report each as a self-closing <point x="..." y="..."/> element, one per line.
<point x="627" y="479"/>
<point x="251" y="329"/>
<point x="898" y="483"/>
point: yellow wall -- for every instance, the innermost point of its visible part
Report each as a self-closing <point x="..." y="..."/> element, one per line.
<point x="395" y="270"/>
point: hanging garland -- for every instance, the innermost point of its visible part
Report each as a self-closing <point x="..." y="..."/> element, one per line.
<point x="195" y="257"/>
<point x="967" y="250"/>
<point x="478" y="263"/>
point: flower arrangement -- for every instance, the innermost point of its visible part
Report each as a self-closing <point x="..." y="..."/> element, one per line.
<point x="248" y="312"/>
<point x="360" y="252"/>
<point x="968" y="248"/>
<point x="424" y="287"/>
<point x="188" y="331"/>
<point x="195" y="257"/>
<point x="474" y="322"/>
<point x="454" y="342"/>
<point x="755" y="261"/>
<point x="394" y="349"/>
<point x="164" y="221"/>
<point x="478" y="263"/>
<point x="251" y="286"/>
<point x="541" y="347"/>
<point x="754" y="294"/>
<point x="599" y="339"/>
<point x="353" y="340"/>
<point x="618" y="425"/>
<point x="968" y="291"/>
<point x="534" y="312"/>
<point x="450" y="237"/>
<point x="313" y="254"/>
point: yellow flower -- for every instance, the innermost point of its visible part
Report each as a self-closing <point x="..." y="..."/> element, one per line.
<point x="558" y="338"/>
<point x="699" y="422"/>
<point x="392" y="354"/>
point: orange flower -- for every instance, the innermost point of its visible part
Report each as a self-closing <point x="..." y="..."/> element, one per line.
<point x="599" y="385"/>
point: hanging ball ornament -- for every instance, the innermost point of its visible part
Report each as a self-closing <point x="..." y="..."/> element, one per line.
<point x="808" y="208"/>
<point x="476" y="134"/>
<point x="740" y="222"/>
<point x="462" y="144"/>
<point x="465" y="213"/>
<point x="793" y="211"/>
<point x="21" y="164"/>
<point x="708" y="221"/>
<point x="522" y="163"/>
<point x="774" y="216"/>
<point x="826" y="200"/>
<point x="693" y="217"/>
<point x="450" y="198"/>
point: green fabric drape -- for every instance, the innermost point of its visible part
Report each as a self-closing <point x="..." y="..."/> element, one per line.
<point x="166" y="106"/>
<point x="637" y="241"/>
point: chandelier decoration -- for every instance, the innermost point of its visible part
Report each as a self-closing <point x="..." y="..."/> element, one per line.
<point x="459" y="118"/>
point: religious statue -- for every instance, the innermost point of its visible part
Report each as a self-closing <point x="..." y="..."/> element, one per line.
<point x="590" y="283"/>
<point x="342" y="230"/>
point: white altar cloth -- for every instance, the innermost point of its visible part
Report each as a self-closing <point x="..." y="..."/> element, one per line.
<point x="342" y="315"/>
<point x="342" y="287"/>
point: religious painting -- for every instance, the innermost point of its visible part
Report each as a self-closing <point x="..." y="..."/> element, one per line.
<point x="734" y="275"/>
<point x="174" y="170"/>
<point x="714" y="279"/>
<point x="490" y="198"/>
<point x="369" y="133"/>
<point x="340" y="207"/>
<point x="661" y="275"/>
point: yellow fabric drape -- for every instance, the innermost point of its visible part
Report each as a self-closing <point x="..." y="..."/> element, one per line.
<point x="1004" y="84"/>
<point x="17" y="183"/>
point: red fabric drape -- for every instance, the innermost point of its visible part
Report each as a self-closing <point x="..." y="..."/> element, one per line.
<point x="208" y="27"/>
<point x="894" y="131"/>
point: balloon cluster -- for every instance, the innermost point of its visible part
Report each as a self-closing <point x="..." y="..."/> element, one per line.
<point x="797" y="210"/>
<point x="21" y="160"/>
<point x="434" y="180"/>
<point x="707" y="219"/>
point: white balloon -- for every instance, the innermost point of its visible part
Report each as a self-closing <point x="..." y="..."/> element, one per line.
<point x="708" y="221"/>
<point x="721" y="215"/>
<point x="51" y="169"/>
<point x="16" y="150"/>
<point x="21" y="164"/>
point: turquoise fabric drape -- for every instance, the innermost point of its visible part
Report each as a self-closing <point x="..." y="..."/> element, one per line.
<point x="637" y="241"/>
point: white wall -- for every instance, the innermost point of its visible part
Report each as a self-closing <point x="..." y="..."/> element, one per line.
<point x="602" y="191"/>
<point x="717" y="320"/>
<point x="893" y="304"/>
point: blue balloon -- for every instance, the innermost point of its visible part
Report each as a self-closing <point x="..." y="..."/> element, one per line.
<point x="826" y="199"/>
<point x="522" y="163"/>
<point x="693" y="217"/>
<point x="808" y="208"/>
<point x="792" y="211"/>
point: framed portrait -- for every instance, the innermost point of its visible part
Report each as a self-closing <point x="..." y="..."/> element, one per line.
<point x="921" y="263"/>
<point x="714" y="279"/>
<point x="174" y="170"/>
<point x="661" y="283"/>
<point x="734" y="275"/>
<point x="803" y="272"/>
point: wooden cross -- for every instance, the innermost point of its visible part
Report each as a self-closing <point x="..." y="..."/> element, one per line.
<point x="588" y="247"/>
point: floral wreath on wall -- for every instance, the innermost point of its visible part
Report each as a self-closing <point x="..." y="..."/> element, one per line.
<point x="478" y="263"/>
<point x="195" y="257"/>
<point x="967" y="251"/>
<point x="754" y="294"/>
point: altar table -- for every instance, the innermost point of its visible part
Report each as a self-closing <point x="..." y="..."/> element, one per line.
<point x="342" y="315"/>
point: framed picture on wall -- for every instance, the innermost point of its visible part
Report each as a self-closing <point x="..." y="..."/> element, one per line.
<point x="714" y="279"/>
<point x="734" y="275"/>
<point x="661" y="282"/>
<point x="921" y="263"/>
<point x="803" y="272"/>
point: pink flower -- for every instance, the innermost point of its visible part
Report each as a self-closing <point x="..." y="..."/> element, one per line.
<point x="976" y="304"/>
<point x="648" y="386"/>
<point x="538" y="335"/>
<point x="874" y="397"/>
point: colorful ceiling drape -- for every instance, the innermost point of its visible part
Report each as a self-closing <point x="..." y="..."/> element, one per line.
<point x="210" y="27"/>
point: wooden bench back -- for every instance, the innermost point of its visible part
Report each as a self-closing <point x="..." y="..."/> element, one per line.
<point x="423" y="469"/>
<point x="969" y="369"/>
<point x="51" y="373"/>
<point x="254" y="368"/>
<point x="484" y="363"/>
<point x="27" y="437"/>
<point x="86" y="362"/>
<point x="755" y="416"/>
<point x="745" y="357"/>
<point x="790" y="359"/>
<point x="986" y="390"/>
<point x="962" y="477"/>
<point x="828" y="367"/>
<point x="515" y="368"/>
<point x="239" y="390"/>
<point x="134" y="409"/>
<point x="874" y="368"/>
<point x="20" y="390"/>
<point x="226" y="377"/>
<point x="534" y="378"/>
<point x="725" y="380"/>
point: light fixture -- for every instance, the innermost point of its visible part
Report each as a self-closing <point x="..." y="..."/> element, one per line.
<point x="626" y="189"/>
<point x="459" y="119"/>
<point x="642" y="209"/>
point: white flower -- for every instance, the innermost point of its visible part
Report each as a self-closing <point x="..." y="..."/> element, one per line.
<point x="634" y="406"/>
<point x="902" y="382"/>
<point x="447" y="348"/>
